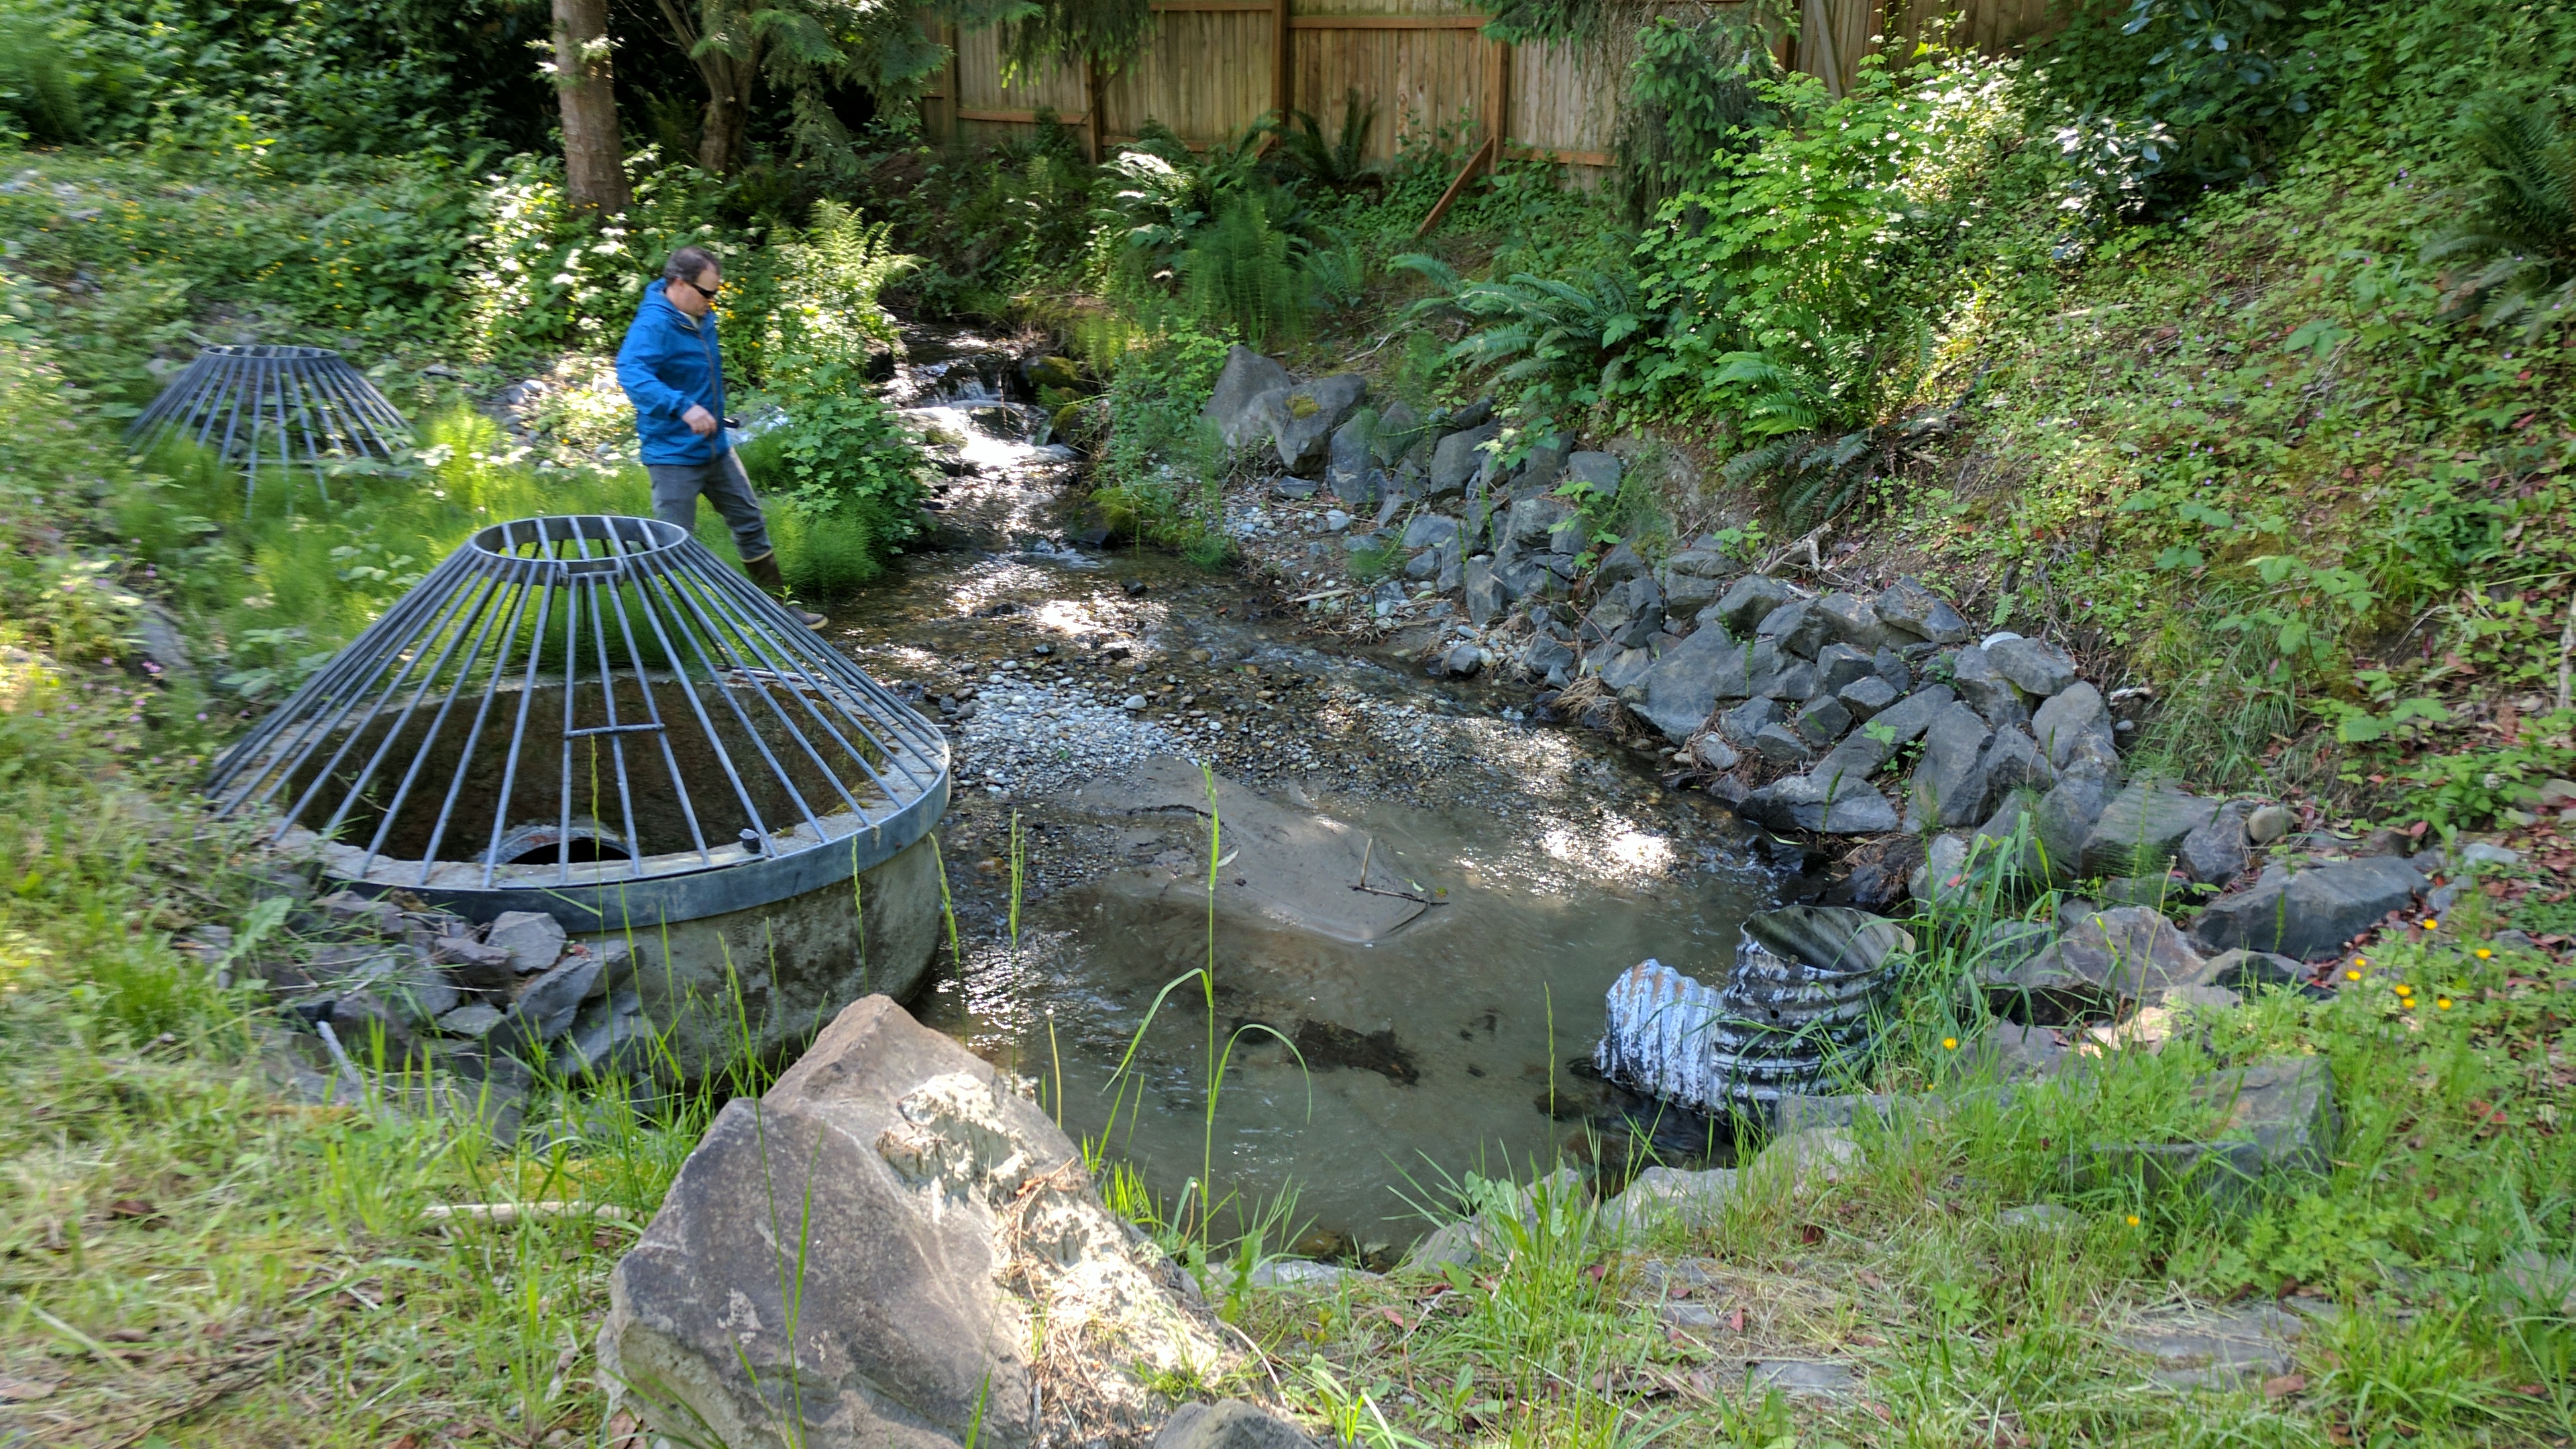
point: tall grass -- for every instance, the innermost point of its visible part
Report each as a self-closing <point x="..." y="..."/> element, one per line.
<point x="281" y="586"/>
<point x="1194" y="1216"/>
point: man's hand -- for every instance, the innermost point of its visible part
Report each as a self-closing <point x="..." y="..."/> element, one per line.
<point x="700" y="421"/>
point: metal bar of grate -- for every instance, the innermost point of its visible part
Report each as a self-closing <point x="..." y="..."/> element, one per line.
<point x="485" y="742"/>
<point x="294" y="409"/>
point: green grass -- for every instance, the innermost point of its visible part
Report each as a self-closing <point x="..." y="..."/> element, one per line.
<point x="274" y="592"/>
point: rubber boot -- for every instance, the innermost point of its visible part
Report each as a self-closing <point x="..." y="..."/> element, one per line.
<point x="764" y="572"/>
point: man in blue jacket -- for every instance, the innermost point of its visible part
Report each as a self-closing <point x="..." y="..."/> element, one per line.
<point x="674" y="375"/>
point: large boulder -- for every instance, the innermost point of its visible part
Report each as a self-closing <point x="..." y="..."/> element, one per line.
<point x="1951" y="785"/>
<point x="1530" y="520"/>
<point x="1747" y="602"/>
<point x="1429" y="530"/>
<point x="1544" y="465"/>
<point x="1301" y="419"/>
<point x="1684" y="685"/>
<point x="1595" y="470"/>
<point x="2308" y="912"/>
<point x="2140" y="828"/>
<point x="2217" y="851"/>
<point x="1485" y="600"/>
<point x="1231" y="1424"/>
<point x="2277" y="1120"/>
<point x="2013" y="762"/>
<point x="1798" y="627"/>
<point x="2040" y="668"/>
<point x="1693" y="578"/>
<point x="2065" y="819"/>
<point x="865" y="1255"/>
<point x="1248" y="378"/>
<point x="1982" y="683"/>
<point x="1912" y="609"/>
<point x="1905" y="721"/>
<point x="2071" y="717"/>
<point x="1839" y="804"/>
<point x="1855" y="622"/>
<point x="1350" y="461"/>
<point x="2104" y="962"/>
<point x="1459" y="457"/>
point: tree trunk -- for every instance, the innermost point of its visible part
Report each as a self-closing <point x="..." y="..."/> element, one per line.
<point x="728" y="107"/>
<point x="729" y="76"/>
<point x="594" y="161"/>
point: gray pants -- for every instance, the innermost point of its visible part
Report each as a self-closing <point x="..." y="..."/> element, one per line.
<point x="676" y="487"/>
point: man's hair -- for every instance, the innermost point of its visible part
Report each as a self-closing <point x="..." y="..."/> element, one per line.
<point x="687" y="264"/>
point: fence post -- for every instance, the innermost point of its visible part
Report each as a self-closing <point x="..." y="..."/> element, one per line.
<point x="1096" y="104"/>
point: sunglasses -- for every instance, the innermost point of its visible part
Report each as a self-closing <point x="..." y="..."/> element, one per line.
<point x="710" y="295"/>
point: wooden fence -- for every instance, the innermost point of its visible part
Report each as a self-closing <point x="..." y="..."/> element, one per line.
<point x="1217" y="66"/>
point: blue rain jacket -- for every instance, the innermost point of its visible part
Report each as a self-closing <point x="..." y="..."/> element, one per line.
<point x="669" y="362"/>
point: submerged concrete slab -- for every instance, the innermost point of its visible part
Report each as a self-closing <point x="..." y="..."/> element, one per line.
<point x="1279" y="865"/>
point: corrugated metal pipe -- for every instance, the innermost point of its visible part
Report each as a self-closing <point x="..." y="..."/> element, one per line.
<point x="1799" y="1003"/>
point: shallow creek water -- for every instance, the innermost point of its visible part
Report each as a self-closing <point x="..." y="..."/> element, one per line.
<point x="1548" y="859"/>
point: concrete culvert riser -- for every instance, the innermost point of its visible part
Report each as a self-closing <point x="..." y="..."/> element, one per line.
<point x="595" y="720"/>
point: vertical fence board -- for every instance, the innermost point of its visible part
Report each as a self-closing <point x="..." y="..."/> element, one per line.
<point x="1212" y="72"/>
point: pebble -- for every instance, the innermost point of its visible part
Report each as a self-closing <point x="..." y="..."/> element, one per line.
<point x="1041" y="738"/>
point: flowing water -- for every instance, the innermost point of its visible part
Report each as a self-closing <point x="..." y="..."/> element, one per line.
<point x="1369" y="1069"/>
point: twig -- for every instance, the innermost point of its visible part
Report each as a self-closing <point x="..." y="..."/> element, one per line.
<point x="1258" y="1357"/>
<point x="506" y="1214"/>
<point x="2567" y="648"/>
<point x="1363" y="885"/>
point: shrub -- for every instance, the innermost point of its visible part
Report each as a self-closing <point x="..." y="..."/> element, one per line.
<point x="1160" y="471"/>
<point x="836" y="457"/>
<point x="1553" y="347"/>
<point x="2172" y="97"/>
<point x="1799" y="284"/>
<point x="1246" y="275"/>
<point x="1695" y="93"/>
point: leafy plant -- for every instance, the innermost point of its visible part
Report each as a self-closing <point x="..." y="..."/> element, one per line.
<point x="1342" y="161"/>
<point x="1161" y="468"/>
<point x="1554" y="346"/>
<point x="1246" y="274"/>
<point x="2516" y="244"/>
<point x="1695" y="93"/>
<point x="38" y="89"/>
<point x="1797" y="284"/>
<point x="2175" y="96"/>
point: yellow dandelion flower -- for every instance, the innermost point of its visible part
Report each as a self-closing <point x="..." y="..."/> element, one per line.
<point x="2443" y="1002"/>
<point x="1949" y="1043"/>
<point x="2352" y="976"/>
<point x="2432" y="925"/>
<point x="2484" y="953"/>
<point x="2133" y="1220"/>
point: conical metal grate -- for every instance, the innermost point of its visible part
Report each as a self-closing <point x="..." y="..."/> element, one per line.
<point x="275" y="408"/>
<point x="592" y="717"/>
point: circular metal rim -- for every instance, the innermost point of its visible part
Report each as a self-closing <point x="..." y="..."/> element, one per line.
<point x="278" y="351"/>
<point x="641" y="538"/>
<point x="792" y="861"/>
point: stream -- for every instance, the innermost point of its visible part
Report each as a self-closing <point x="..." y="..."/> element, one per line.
<point x="1380" y="1042"/>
